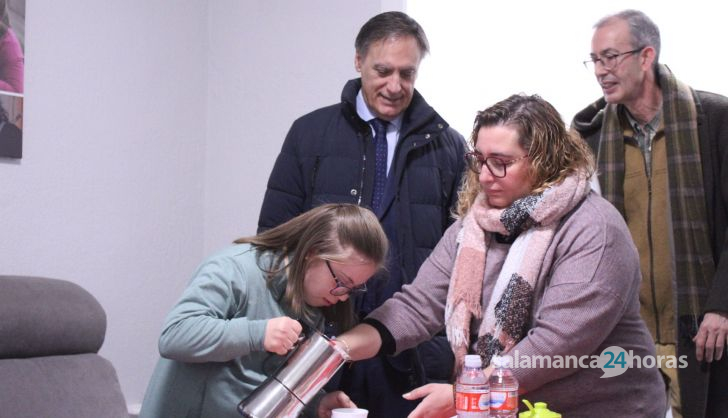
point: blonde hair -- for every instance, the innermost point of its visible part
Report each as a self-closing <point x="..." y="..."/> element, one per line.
<point x="327" y="232"/>
<point x="554" y="152"/>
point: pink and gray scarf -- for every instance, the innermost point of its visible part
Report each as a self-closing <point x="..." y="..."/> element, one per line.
<point x="532" y="220"/>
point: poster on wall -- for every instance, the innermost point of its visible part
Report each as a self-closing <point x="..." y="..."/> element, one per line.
<point x="12" y="68"/>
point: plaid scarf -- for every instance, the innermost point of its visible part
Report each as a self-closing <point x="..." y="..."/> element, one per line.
<point x="532" y="220"/>
<point x="692" y="258"/>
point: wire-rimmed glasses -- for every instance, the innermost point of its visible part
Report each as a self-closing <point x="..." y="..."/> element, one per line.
<point x="608" y="60"/>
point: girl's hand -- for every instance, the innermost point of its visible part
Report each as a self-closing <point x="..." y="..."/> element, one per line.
<point x="332" y="401"/>
<point x="438" y="401"/>
<point x="281" y="334"/>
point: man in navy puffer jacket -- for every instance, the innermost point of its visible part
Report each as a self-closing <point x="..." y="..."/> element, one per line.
<point x="329" y="156"/>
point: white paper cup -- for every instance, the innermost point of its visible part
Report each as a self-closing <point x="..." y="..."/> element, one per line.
<point x="349" y="413"/>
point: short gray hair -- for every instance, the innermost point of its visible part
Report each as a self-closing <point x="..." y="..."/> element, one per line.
<point x="642" y="29"/>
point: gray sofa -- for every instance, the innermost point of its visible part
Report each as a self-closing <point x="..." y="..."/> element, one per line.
<point x="50" y="334"/>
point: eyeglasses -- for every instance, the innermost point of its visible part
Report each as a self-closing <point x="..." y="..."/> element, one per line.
<point x="341" y="289"/>
<point x="496" y="166"/>
<point x="609" y="60"/>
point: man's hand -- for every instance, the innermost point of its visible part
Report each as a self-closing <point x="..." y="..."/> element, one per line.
<point x="331" y="401"/>
<point x="711" y="340"/>
<point x="281" y="334"/>
<point x="438" y="401"/>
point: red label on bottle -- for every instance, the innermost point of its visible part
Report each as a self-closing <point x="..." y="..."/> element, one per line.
<point x="471" y="402"/>
<point x="503" y="401"/>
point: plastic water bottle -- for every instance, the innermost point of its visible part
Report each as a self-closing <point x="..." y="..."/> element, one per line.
<point x="503" y="389"/>
<point x="471" y="390"/>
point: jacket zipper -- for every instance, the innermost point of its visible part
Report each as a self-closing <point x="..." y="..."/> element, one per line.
<point x="314" y="174"/>
<point x="361" y="179"/>
<point x="363" y="146"/>
<point x="648" y="172"/>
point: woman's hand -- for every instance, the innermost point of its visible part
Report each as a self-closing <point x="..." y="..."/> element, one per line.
<point x="438" y="401"/>
<point x="281" y="334"/>
<point x="331" y="401"/>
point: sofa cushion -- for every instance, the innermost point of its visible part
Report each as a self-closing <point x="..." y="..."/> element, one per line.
<point x="42" y="317"/>
<point x="70" y="386"/>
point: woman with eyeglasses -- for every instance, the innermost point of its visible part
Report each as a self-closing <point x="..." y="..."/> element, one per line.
<point x="246" y="307"/>
<point x="537" y="268"/>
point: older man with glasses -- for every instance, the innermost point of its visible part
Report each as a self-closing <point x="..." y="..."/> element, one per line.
<point x="662" y="154"/>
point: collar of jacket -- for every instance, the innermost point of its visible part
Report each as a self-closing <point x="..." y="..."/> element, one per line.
<point x="589" y="120"/>
<point x="419" y="117"/>
<point x="277" y="283"/>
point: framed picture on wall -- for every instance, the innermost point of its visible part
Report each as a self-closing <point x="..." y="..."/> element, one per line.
<point x="12" y="70"/>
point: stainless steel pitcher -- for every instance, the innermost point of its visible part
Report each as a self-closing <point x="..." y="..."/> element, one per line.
<point x="296" y="382"/>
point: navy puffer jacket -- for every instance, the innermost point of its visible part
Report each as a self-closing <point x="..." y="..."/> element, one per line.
<point x="328" y="157"/>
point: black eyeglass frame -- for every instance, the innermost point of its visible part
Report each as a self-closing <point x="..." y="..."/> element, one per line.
<point x="472" y="156"/>
<point x="345" y="290"/>
<point x="591" y="63"/>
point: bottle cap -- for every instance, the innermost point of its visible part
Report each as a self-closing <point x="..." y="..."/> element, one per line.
<point x="501" y="361"/>
<point x="473" y="360"/>
<point x="539" y="411"/>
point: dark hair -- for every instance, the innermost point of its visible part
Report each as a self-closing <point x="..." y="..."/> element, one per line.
<point x="326" y="232"/>
<point x="554" y="152"/>
<point x="643" y="31"/>
<point x="390" y="25"/>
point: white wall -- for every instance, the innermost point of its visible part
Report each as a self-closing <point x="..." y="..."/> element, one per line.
<point x="484" y="51"/>
<point x="109" y="193"/>
<point x="150" y="130"/>
<point x="269" y="63"/>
